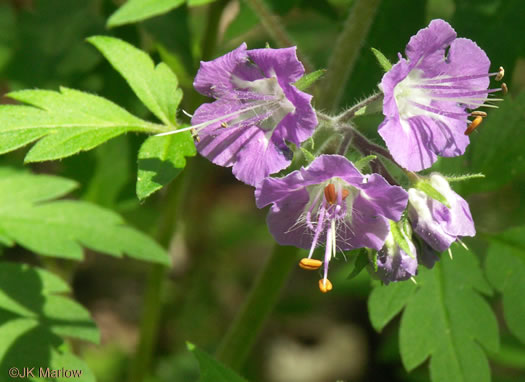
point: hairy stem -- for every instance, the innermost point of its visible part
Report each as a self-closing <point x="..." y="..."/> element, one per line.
<point x="243" y="332"/>
<point x="346" y="51"/>
<point x="274" y="27"/>
<point x="351" y="113"/>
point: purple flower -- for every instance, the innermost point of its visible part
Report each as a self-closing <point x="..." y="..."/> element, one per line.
<point x="330" y="200"/>
<point x="256" y="110"/>
<point x="394" y="264"/>
<point x="427" y="95"/>
<point x="438" y="225"/>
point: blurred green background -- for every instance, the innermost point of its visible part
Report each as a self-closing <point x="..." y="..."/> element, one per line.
<point x="222" y="240"/>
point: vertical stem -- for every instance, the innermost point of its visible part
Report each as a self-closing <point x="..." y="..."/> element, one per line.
<point x="346" y="51"/>
<point x="243" y="332"/>
<point x="274" y="27"/>
<point x="152" y="307"/>
<point x="209" y="42"/>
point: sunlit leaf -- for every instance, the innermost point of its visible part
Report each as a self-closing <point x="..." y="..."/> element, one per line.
<point x="155" y="86"/>
<point x="137" y="10"/>
<point x="64" y="122"/>
<point x="30" y="217"/>
<point x="161" y="159"/>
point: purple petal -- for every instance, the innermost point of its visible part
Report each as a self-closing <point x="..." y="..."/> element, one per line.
<point x="325" y="167"/>
<point x="427" y="47"/>
<point x="272" y="190"/>
<point x="394" y="264"/>
<point x="299" y="125"/>
<point x="409" y="144"/>
<point x="260" y="157"/>
<point x="283" y="220"/>
<point x="282" y="63"/>
<point x="367" y="230"/>
<point x="387" y="200"/>
<point x="215" y="76"/>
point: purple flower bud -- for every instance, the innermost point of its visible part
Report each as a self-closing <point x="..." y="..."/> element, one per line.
<point x="427" y="96"/>
<point x="438" y="225"/>
<point x="331" y="201"/>
<point x="394" y="264"/>
<point x="256" y="110"/>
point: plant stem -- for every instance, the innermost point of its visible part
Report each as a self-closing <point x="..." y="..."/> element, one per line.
<point x="346" y="51"/>
<point x="350" y="113"/>
<point x="209" y="42"/>
<point x="243" y="332"/>
<point x="274" y="27"/>
<point x="152" y="307"/>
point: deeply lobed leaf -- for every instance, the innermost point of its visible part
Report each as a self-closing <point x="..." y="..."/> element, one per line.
<point x="64" y="122"/>
<point x="33" y="320"/>
<point x="444" y="318"/>
<point x="29" y="217"/>
<point x="505" y="269"/>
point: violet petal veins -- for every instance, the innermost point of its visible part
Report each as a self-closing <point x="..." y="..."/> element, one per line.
<point x="330" y="202"/>
<point x="256" y="110"/>
<point x="394" y="264"/>
<point x="428" y="95"/>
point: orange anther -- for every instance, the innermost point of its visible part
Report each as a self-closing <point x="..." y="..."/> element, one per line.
<point x="504" y="88"/>
<point x="345" y="193"/>
<point x="325" y="285"/>
<point x="329" y="193"/>
<point x="310" y="264"/>
<point x="475" y="123"/>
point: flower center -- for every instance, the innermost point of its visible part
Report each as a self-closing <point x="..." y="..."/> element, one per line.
<point x="330" y="206"/>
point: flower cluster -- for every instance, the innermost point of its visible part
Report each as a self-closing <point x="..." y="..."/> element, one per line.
<point x="428" y="98"/>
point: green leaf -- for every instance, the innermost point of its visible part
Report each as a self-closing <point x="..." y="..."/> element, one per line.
<point x="66" y="122"/>
<point x="307" y="155"/>
<point x="194" y="3"/>
<point x="309" y="79"/>
<point x="431" y="192"/>
<point x="386" y="301"/>
<point x="29" y="217"/>
<point x="448" y="321"/>
<point x="505" y="269"/>
<point x="155" y="86"/>
<point x="382" y="60"/>
<point x="357" y="262"/>
<point x="137" y="10"/>
<point x="34" y="318"/>
<point x="161" y="159"/>
<point x="211" y="369"/>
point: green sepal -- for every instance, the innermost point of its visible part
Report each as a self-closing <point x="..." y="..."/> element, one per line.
<point x="400" y="237"/>
<point x="307" y="155"/>
<point x="372" y="258"/>
<point x="431" y="192"/>
<point x="384" y="62"/>
<point x="365" y="161"/>
<point x="358" y="262"/>
<point x="309" y="79"/>
<point x="461" y="178"/>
